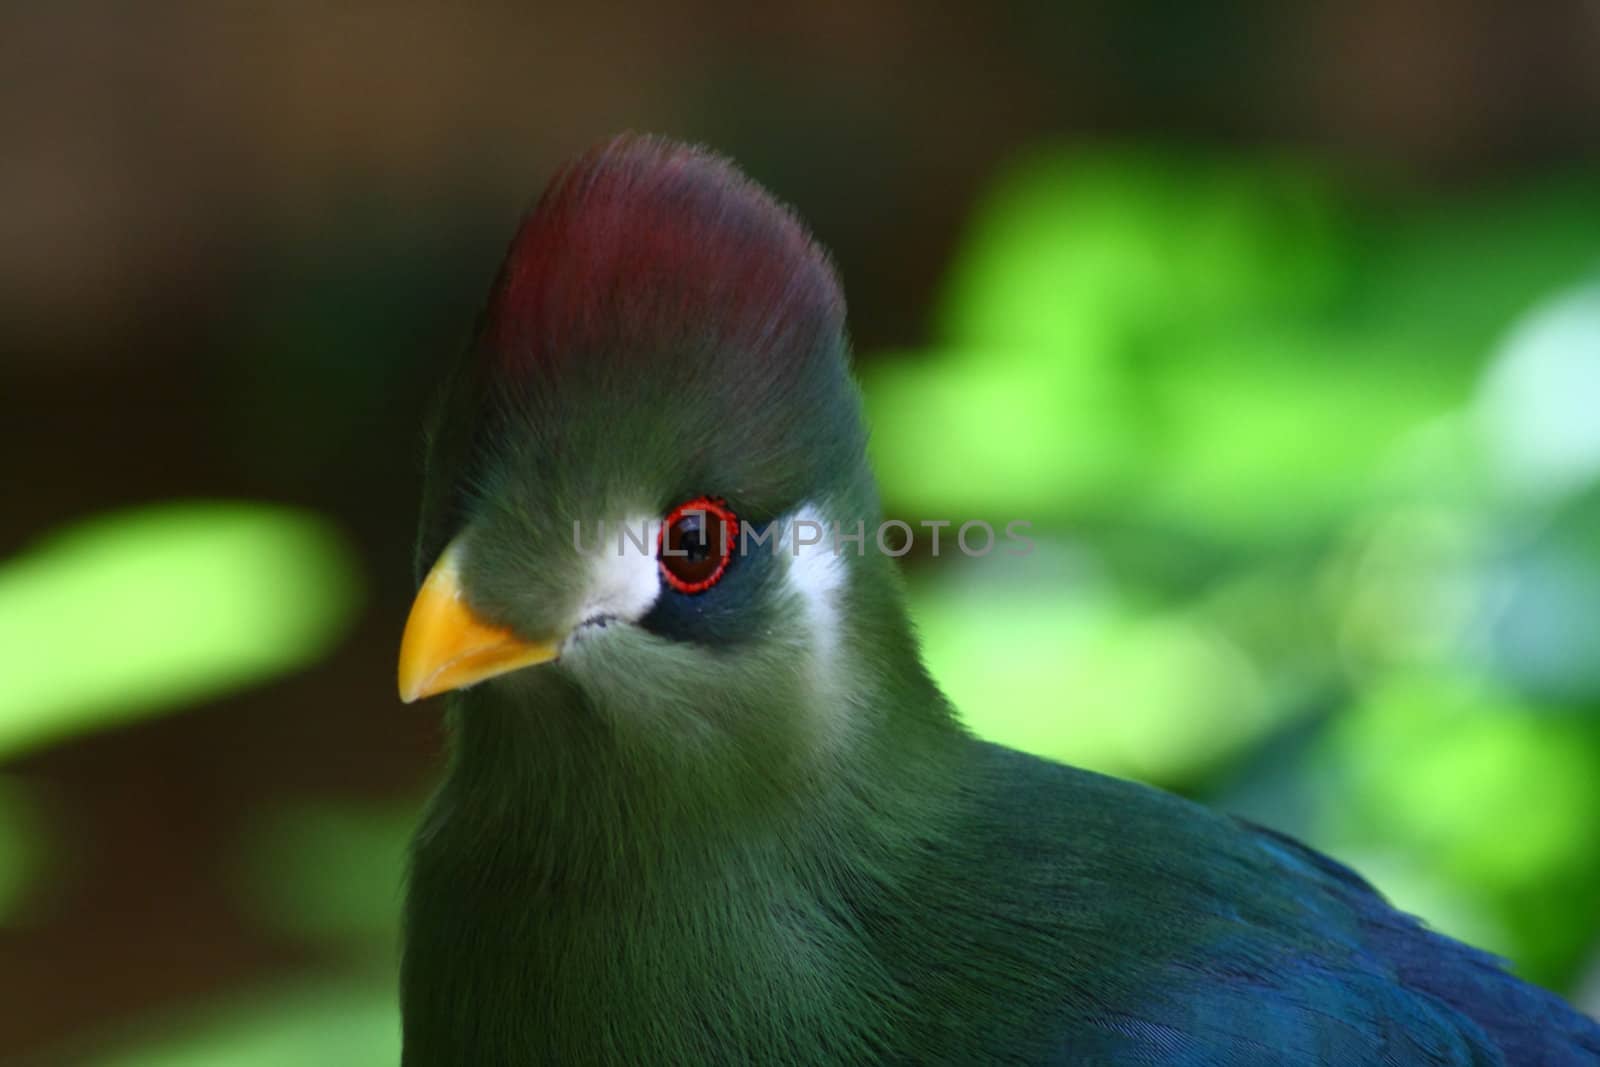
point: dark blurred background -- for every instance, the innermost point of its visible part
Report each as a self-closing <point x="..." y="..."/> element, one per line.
<point x="1280" y="323"/>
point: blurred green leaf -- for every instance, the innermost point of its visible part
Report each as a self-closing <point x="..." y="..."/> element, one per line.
<point x="1481" y="791"/>
<point x="125" y="615"/>
<point x="325" y="872"/>
<point x="1286" y="429"/>
<point x="1452" y="276"/>
<point x="348" y="1025"/>
<point x="1078" y="251"/>
<point x="957" y="434"/>
<point x="1087" y="679"/>
<point x="1404" y="587"/>
<point x="24" y="848"/>
<point x="1085" y="280"/>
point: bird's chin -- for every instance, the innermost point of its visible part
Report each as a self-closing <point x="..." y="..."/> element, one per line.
<point x="593" y="643"/>
<point x="590" y="630"/>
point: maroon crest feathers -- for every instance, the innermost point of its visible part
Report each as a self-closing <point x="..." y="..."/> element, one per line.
<point x="644" y="247"/>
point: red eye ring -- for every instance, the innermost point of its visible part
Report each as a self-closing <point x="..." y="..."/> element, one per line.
<point x="685" y="573"/>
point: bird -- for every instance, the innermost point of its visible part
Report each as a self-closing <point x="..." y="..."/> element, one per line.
<point x="703" y="802"/>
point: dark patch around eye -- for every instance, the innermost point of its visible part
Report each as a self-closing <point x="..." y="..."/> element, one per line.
<point x="697" y="544"/>
<point x="732" y="611"/>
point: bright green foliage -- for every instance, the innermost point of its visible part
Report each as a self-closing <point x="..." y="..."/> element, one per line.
<point x="130" y="614"/>
<point x="352" y="1025"/>
<point x="1085" y="248"/>
<point x="1084" y="285"/>
<point x="1482" y="792"/>
<point x="1198" y="697"/>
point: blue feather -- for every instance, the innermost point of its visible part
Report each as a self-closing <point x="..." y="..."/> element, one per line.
<point x="1236" y="945"/>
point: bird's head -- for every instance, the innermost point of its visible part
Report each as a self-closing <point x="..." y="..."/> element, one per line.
<point x="637" y="469"/>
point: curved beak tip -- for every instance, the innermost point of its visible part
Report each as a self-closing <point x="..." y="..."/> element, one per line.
<point x="447" y="646"/>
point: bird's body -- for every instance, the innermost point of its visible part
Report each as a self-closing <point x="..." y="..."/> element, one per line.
<point x="734" y="821"/>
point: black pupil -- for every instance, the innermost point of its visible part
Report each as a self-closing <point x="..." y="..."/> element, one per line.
<point x="692" y="539"/>
<point x="694" y="553"/>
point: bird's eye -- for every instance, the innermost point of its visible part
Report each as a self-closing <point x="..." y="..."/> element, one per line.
<point x="696" y="544"/>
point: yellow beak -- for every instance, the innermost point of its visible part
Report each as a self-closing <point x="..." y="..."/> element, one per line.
<point x="447" y="647"/>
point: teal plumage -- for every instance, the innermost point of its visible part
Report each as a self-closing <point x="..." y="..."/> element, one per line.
<point x="742" y="825"/>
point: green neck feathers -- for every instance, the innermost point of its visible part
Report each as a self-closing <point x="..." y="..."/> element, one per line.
<point x="652" y="896"/>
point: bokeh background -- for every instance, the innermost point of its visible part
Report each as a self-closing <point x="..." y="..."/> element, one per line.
<point x="1280" y="323"/>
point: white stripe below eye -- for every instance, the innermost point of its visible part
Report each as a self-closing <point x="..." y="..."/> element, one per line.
<point x="624" y="581"/>
<point x="817" y="574"/>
